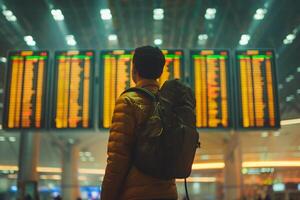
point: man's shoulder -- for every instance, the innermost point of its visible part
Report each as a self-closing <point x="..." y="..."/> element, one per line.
<point x="135" y="97"/>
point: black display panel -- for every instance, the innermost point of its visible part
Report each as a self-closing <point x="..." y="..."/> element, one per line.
<point x="73" y="90"/>
<point x="115" y="73"/>
<point x="210" y="73"/>
<point x="257" y="99"/>
<point x="25" y="91"/>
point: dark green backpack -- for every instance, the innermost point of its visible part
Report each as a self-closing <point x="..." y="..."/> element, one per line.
<point x="167" y="141"/>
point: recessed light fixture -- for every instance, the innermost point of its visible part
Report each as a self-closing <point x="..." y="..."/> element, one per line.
<point x="9" y="15"/>
<point x="105" y="14"/>
<point x="29" y="40"/>
<point x="244" y="39"/>
<point x="210" y="13"/>
<point x="158" y="14"/>
<point x="12" y="139"/>
<point x="2" y="139"/>
<point x="71" y="40"/>
<point x="260" y="14"/>
<point x="202" y="37"/>
<point x="158" y="41"/>
<point x="112" y="37"/>
<point x="57" y="15"/>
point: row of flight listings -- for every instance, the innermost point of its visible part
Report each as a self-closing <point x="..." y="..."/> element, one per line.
<point x="43" y="96"/>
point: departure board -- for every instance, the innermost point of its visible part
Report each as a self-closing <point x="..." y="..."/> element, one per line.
<point x="73" y="89"/>
<point x="115" y="71"/>
<point x="211" y="80"/>
<point x="257" y="87"/>
<point x="24" y="104"/>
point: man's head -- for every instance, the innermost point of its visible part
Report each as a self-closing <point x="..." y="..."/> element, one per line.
<point x="148" y="63"/>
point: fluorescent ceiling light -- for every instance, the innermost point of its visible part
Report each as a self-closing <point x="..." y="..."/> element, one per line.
<point x="11" y="18"/>
<point x="31" y="43"/>
<point x="105" y="14"/>
<point x="71" y="40"/>
<point x="158" y="14"/>
<point x="112" y="37"/>
<point x="289" y="38"/>
<point x="158" y="41"/>
<point x="289" y="98"/>
<point x="158" y="11"/>
<point x="260" y="14"/>
<point x="202" y="37"/>
<point x="2" y="139"/>
<point x="210" y="13"/>
<point x="57" y="15"/>
<point x="29" y="40"/>
<point x="244" y="39"/>
<point x="9" y="15"/>
<point x="12" y="139"/>
<point x="289" y="78"/>
<point x="4" y="60"/>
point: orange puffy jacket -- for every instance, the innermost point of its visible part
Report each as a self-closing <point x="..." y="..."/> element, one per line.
<point x="122" y="181"/>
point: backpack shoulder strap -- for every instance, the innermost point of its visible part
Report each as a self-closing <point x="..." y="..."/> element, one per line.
<point x="142" y="91"/>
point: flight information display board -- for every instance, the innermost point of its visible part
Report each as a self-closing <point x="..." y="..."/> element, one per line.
<point x="24" y="104"/>
<point x="257" y="86"/>
<point x="73" y="89"/>
<point x="211" y="81"/>
<point x="115" y="69"/>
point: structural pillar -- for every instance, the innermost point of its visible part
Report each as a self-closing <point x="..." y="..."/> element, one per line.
<point x="233" y="183"/>
<point x="69" y="183"/>
<point x="28" y="160"/>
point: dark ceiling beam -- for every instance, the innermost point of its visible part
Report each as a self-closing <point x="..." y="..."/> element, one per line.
<point x="184" y="21"/>
<point x="220" y="29"/>
<point x="78" y="22"/>
<point x="194" y="25"/>
<point x="173" y="26"/>
<point x="120" y="23"/>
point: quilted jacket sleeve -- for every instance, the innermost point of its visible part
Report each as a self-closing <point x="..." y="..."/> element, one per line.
<point x="119" y="150"/>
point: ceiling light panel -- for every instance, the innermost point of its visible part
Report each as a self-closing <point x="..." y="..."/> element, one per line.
<point x="210" y="13"/>
<point x="105" y="14"/>
<point x="57" y="15"/>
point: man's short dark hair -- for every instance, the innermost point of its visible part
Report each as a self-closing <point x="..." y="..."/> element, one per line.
<point x="149" y="61"/>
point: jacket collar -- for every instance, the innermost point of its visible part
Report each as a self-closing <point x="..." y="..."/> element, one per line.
<point x="147" y="83"/>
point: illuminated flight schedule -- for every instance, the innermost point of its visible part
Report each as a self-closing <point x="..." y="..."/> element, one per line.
<point x="256" y="82"/>
<point x="115" y="69"/>
<point x="24" y="105"/>
<point x="173" y="68"/>
<point x="73" y="90"/>
<point x="210" y="69"/>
